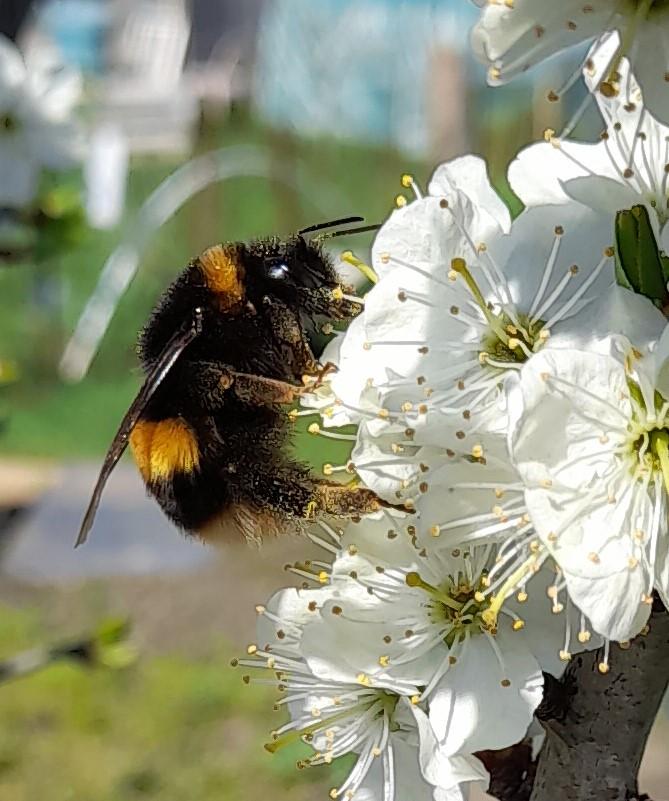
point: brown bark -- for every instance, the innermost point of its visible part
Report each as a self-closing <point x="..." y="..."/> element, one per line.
<point x="596" y="724"/>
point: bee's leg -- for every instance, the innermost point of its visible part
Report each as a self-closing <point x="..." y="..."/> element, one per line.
<point x="288" y="330"/>
<point x="263" y="391"/>
<point x="341" y="500"/>
<point x="290" y="489"/>
<point x="207" y="384"/>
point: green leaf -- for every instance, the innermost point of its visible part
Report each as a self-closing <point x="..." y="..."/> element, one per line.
<point x="112" y="631"/>
<point x="639" y="264"/>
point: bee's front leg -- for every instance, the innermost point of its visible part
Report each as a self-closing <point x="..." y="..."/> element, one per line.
<point x="289" y="331"/>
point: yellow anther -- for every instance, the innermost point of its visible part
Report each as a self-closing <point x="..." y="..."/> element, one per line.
<point x="490" y="615"/>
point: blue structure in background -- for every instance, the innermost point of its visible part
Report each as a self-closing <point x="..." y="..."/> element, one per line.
<point x="356" y="68"/>
<point x="78" y="28"/>
<point x="359" y="69"/>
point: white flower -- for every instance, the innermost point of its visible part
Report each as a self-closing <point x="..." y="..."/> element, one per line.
<point x="421" y="770"/>
<point x="36" y="128"/>
<point x="460" y="305"/>
<point x="628" y="166"/>
<point x="435" y="621"/>
<point x="455" y="312"/>
<point x="590" y="439"/>
<point x="388" y="732"/>
<point x="512" y="36"/>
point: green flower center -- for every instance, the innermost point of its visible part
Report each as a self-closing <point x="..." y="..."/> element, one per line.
<point x="521" y="340"/>
<point x="506" y="341"/>
<point x="649" y="435"/>
<point x="459" y="604"/>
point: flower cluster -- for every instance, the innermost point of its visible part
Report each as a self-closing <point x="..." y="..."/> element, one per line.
<point x="509" y="384"/>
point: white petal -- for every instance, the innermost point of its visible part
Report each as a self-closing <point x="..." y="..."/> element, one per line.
<point x="618" y="312"/>
<point x="440" y="769"/>
<point x="380" y="468"/>
<point x="12" y="69"/>
<point x="470" y="175"/>
<point x="19" y="176"/>
<point x="291" y="607"/>
<point x="602" y="193"/>
<point x="584" y="504"/>
<point x="662" y="567"/>
<point x="525" y="254"/>
<point x="545" y="632"/>
<point x="650" y="62"/>
<point x="471" y="711"/>
<point x="513" y="39"/>
<point x="409" y="784"/>
<point x="56" y="91"/>
<point x="56" y="146"/>
<point x="541" y="173"/>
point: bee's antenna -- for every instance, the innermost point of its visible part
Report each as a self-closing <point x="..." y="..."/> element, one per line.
<point x="330" y="224"/>
<point x="361" y="230"/>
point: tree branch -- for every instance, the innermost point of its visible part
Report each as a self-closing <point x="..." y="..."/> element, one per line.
<point x="511" y="772"/>
<point x="594" y="748"/>
<point x="596" y="726"/>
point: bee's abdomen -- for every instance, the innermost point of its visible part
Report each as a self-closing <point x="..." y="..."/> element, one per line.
<point x="164" y="448"/>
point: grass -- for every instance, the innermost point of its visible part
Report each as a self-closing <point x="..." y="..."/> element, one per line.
<point x="168" y="728"/>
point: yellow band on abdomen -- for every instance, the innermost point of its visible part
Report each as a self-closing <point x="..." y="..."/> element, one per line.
<point x="164" y="448"/>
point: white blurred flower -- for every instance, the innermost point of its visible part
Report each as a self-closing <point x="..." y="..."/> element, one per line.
<point x="391" y="735"/>
<point x="628" y="166"/>
<point x="511" y="37"/>
<point x="590" y="438"/>
<point x="37" y="130"/>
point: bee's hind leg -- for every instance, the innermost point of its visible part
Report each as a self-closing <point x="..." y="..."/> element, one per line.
<point x="342" y="500"/>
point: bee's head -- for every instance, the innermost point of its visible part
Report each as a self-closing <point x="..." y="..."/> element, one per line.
<point x="299" y="273"/>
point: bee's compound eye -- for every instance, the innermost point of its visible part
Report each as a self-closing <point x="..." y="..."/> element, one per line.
<point x="277" y="270"/>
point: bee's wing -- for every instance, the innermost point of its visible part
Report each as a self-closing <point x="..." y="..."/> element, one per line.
<point x="164" y="364"/>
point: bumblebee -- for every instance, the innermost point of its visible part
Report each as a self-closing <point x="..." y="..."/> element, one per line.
<point x="224" y="350"/>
